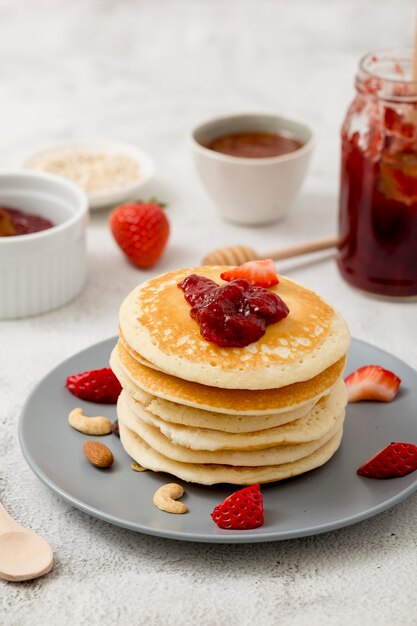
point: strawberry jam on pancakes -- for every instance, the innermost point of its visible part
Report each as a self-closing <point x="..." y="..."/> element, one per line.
<point x="232" y="315"/>
<point x="14" y="222"/>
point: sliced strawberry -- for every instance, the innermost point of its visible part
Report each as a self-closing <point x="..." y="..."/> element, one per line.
<point x="242" y="510"/>
<point x="372" y="382"/>
<point x="397" y="459"/>
<point x="95" y="386"/>
<point x="260" y="273"/>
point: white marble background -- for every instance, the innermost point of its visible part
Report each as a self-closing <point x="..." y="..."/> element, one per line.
<point x="145" y="72"/>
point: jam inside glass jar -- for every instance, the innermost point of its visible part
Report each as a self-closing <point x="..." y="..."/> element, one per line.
<point x="378" y="188"/>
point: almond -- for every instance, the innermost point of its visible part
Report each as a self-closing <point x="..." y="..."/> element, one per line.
<point x="98" y="454"/>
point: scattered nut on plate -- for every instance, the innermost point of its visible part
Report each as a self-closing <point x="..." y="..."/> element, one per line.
<point x="98" y="425"/>
<point x="137" y="468"/>
<point x="98" y="454"/>
<point x="166" y="498"/>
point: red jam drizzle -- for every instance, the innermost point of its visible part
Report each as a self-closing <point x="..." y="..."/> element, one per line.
<point x="232" y="315"/>
<point x="14" y="222"/>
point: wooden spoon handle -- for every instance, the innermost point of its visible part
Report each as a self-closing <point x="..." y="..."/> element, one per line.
<point x="302" y="248"/>
<point x="6" y="522"/>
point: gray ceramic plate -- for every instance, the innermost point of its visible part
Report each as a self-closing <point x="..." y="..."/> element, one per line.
<point x="327" y="498"/>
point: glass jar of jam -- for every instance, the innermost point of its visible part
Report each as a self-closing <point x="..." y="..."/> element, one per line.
<point x="378" y="188"/>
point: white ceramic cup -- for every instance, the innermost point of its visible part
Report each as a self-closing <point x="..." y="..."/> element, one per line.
<point x="251" y="190"/>
<point x="44" y="270"/>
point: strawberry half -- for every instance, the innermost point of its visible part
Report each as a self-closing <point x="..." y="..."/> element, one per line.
<point x="259" y="273"/>
<point x="397" y="459"/>
<point x="95" y="386"/>
<point x="242" y="510"/>
<point x="141" y="229"/>
<point x="372" y="382"/>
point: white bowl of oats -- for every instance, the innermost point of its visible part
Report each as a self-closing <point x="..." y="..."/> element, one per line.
<point x="109" y="172"/>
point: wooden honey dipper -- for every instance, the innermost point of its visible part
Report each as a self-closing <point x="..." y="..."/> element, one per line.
<point x="235" y="255"/>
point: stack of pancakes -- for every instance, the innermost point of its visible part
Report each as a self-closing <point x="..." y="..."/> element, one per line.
<point x="207" y="414"/>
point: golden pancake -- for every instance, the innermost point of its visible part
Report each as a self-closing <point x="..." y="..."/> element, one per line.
<point x="230" y="401"/>
<point x="127" y="383"/>
<point x="248" y="458"/>
<point x="198" y="418"/>
<point x="155" y="322"/>
<point x="309" y="428"/>
<point x="143" y="454"/>
<point x="136" y="355"/>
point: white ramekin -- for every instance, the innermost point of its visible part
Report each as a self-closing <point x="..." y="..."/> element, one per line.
<point x="44" y="270"/>
<point x="251" y="191"/>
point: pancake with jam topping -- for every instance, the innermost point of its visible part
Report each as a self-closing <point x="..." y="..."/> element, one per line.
<point x="259" y="407"/>
<point x="155" y="322"/>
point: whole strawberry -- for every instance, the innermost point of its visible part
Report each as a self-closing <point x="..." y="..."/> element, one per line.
<point x="141" y="229"/>
<point x="95" y="386"/>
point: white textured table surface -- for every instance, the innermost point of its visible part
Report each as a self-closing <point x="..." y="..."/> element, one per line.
<point x="145" y="72"/>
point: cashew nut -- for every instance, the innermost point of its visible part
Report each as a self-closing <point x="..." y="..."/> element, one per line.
<point x="137" y="468"/>
<point x="89" y="425"/>
<point x="165" y="498"/>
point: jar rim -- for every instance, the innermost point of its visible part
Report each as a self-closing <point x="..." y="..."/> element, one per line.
<point x="388" y="74"/>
